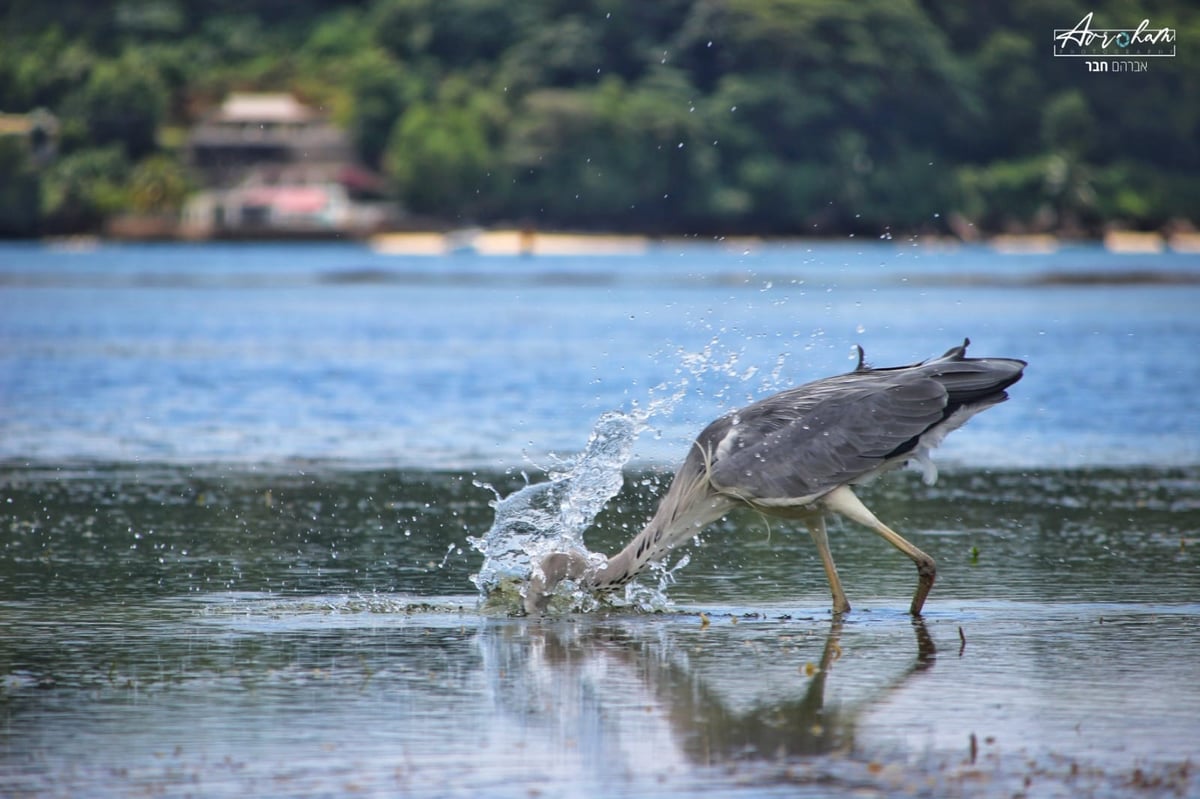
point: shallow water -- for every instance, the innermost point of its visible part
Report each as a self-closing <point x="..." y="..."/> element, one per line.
<point x="232" y="632"/>
<point x="238" y="488"/>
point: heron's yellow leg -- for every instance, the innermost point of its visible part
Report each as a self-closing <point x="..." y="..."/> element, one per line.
<point x="842" y="500"/>
<point x="816" y="526"/>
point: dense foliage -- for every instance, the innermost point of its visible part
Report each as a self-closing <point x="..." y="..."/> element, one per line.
<point x="770" y="116"/>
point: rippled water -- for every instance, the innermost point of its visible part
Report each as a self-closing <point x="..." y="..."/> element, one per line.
<point x="238" y="489"/>
<point x="235" y="632"/>
<point x="262" y="354"/>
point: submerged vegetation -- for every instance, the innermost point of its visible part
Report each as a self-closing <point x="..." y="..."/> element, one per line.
<point x="754" y="116"/>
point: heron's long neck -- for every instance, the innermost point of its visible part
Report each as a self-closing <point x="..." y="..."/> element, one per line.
<point x="689" y="505"/>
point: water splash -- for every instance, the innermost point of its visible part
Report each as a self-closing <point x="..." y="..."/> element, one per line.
<point x="552" y="516"/>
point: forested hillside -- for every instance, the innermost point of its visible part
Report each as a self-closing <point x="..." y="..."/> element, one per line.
<point x="673" y="116"/>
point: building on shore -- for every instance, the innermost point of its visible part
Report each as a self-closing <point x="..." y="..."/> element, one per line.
<point x="272" y="166"/>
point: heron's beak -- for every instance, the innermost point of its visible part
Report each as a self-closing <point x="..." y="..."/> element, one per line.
<point x="553" y="569"/>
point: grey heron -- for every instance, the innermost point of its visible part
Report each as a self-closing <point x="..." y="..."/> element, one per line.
<point x="796" y="454"/>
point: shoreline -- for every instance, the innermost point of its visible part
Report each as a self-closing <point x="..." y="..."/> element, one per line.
<point x="525" y="242"/>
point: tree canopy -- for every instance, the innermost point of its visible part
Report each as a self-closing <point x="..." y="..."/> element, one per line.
<point x="677" y="116"/>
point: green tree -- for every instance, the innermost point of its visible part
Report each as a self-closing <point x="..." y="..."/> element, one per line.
<point x="381" y="89"/>
<point x="40" y="69"/>
<point x="1010" y="92"/>
<point x="158" y="184"/>
<point x="455" y="34"/>
<point x="437" y="158"/>
<point x="83" y="188"/>
<point x="562" y="53"/>
<point x="20" y="210"/>
<point x="1068" y="126"/>
<point x="1008" y="194"/>
<point x="614" y="155"/>
<point x="123" y="102"/>
<point x="793" y="115"/>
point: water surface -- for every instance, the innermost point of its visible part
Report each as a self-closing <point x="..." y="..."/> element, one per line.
<point x="268" y="353"/>
<point x="286" y="634"/>
<point x="237" y="487"/>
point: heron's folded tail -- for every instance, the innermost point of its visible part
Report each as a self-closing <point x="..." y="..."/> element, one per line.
<point x="977" y="380"/>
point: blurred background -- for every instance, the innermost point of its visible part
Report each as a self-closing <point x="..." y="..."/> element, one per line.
<point x="167" y="118"/>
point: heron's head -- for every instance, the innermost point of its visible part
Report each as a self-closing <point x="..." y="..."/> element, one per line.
<point x="553" y="569"/>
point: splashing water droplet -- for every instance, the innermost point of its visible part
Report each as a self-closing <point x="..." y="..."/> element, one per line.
<point x="552" y="516"/>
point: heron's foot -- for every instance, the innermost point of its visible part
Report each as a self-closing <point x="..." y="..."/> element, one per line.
<point x="553" y="569"/>
<point x="926" y="573"/>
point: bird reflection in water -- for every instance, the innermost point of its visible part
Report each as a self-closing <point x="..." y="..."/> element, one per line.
<point x="627" y="696"/>
<point x="799" y="726"/>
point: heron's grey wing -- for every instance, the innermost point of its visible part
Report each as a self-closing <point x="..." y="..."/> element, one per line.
<point x="796" y="446"/>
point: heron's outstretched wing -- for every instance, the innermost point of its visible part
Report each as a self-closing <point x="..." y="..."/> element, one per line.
<point x="792" y="448"/>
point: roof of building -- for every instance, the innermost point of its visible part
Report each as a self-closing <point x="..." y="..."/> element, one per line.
<point x="247" y="107"/>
